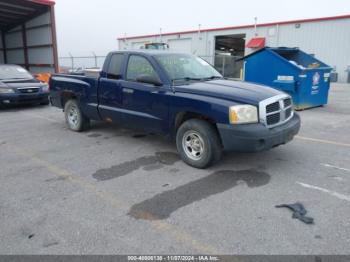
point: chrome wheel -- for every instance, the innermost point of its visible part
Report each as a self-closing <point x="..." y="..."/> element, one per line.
<point x="193" y="145"/>
<point x="73" y="116"/>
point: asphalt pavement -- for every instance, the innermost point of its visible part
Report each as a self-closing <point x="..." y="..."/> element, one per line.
<point x="116" y="191"/>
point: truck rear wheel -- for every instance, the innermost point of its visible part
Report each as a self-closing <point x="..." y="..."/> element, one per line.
<point x="75" y="119"/>
<point x="198" y="143"/>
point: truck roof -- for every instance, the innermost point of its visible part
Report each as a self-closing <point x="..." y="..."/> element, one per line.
<point x="151" y="52"/>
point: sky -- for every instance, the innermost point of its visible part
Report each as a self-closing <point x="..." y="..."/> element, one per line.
<point x="86" y="26"/>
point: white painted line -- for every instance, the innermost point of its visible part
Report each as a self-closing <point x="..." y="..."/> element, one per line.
<point x="324" y="190"/>
<point x="336" y="167"/>
<point x="322" y="141"/>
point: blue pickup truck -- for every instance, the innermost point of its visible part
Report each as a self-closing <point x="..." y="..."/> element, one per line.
<point x="183" y="97"/>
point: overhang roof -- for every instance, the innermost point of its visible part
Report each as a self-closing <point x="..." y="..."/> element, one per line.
<point x="243" y="26"/>
<point x="15" y="12"/>
<point x="256" y="42"/>
<point x="43" y="2"/>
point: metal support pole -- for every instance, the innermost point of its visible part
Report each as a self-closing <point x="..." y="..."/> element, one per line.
<point x="72" y="60"/>
<point x="223" y="65"/>
<point x="25" y="47"/>
<point x="256" y="26"/>
<point x="4" y="46"/>
<point x="93" y="53"/>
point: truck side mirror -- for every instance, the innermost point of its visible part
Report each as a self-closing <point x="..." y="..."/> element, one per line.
<point x="149" y="79"/>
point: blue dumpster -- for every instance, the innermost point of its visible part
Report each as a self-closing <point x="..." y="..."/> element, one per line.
<point x="293" y="71"/>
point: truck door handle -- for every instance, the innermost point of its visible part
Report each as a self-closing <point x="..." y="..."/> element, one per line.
<point x="128" y="91"/>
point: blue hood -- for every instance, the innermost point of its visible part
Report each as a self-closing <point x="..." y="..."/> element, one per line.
<point x="236" y="91"/>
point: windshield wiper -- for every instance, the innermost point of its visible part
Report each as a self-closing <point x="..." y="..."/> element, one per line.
<point x="187" y="79"/>
<point x="212" y="78"/>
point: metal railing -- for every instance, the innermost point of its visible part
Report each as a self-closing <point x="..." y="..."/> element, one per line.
<point x="227" y="65"/>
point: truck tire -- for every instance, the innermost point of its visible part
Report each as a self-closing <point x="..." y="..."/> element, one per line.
<point x="198" y="143"/>
<point x="75" y="119"/>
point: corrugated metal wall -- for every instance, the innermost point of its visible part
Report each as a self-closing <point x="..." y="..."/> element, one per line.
<point x="329" y="40"/>
<point x="39" y="44"/>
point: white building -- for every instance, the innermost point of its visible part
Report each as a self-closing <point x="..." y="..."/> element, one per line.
<point x="327" y="38"/>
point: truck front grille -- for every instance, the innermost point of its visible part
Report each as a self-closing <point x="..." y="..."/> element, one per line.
<point x="287" y="102"/>
<point x="273" y="119"/>
<point x="276" y="111"/>
<point x="273" y="107"/>
<point x="28" y="90"/>
<point x="289" y="112"/>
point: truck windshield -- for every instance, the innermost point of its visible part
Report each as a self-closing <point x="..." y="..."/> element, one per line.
<point x="14" y="72"/>
<point x="182" y="67"/>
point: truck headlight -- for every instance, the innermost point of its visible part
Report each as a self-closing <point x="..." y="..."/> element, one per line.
<point x="6" y="91"/>
<point x="45" y="88"/>
<point x="243" y="114"/>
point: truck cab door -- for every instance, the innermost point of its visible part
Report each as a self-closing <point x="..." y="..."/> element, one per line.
<point x="145" y="105"/>
<point x="109" y="93"/>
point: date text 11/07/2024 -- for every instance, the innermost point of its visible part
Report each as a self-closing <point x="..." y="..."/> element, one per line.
<point x="173" y="258"/>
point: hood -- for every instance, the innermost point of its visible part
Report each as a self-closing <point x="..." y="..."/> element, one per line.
<point x="236" y="91"/>
<point x="20" y="83"/>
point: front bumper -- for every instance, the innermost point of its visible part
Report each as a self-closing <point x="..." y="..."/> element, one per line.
<point x="257" y="137"/>
<point x="16" y="99"/>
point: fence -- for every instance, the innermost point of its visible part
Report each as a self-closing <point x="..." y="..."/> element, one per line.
<point x="75" y="62"/>
<point x="227" y="65"/>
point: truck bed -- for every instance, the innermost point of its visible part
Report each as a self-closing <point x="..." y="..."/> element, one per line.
<point x="82" y="88"/>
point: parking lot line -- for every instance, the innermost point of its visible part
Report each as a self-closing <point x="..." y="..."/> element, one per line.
<point x="336" y="167"/>
<point x="324" y="190"/>
<point x="159" y="225"/>
<point x="322" y="141"/>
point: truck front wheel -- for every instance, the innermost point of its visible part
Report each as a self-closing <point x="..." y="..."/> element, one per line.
<point x="198" y="143"/>
<point x="75" y="119"/>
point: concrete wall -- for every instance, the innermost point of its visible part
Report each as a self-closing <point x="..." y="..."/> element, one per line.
<point x="328" y="40"/>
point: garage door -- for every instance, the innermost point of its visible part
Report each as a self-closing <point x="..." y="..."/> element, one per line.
<point x="181" y="45"/>
<point x="137" y="45"/>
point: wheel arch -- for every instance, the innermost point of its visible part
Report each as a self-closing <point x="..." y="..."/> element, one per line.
<point x="67" y="95"/>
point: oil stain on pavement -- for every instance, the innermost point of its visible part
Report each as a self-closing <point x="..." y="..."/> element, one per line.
<point x="162" y="205"/>
<point x="139" y="136"/>
<point x="149" y="163"/>
<point x="94" y="135"/>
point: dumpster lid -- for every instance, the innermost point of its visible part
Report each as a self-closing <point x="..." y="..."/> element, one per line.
<point x="251" y="54"/>
<point x="256" y="42"/>
<point x="291" y="49"/>
<point x="293" y="56"/>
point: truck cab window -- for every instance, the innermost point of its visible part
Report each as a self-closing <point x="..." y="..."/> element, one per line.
<point x="137" y="66"/>
<point x="114" y="67"/>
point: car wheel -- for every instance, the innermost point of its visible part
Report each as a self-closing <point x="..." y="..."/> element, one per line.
<point x="75" y="119"/>
<point x="198" y="143"/>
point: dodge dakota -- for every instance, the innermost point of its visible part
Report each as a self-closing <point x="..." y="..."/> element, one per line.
<point x="181" y="96"/>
